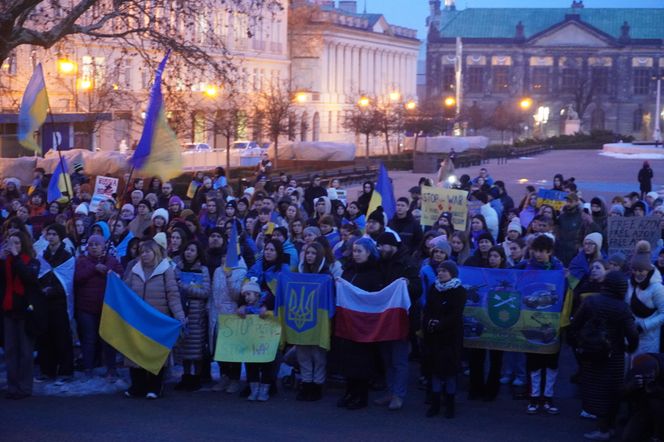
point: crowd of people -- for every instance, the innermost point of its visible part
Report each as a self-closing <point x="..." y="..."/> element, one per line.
<point x="154" y="236"/>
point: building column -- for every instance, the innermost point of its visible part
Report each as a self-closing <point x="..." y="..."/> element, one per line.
<point x="339" y="70"/>
<point x="355" y="85"/>
<point x="348" y="70"/>
<point x="324" y="61"/>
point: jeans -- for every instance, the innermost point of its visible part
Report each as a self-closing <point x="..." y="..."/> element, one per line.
<point x="18" y="354"/>
<point x="92" y="344"/>
<point x="312" y="360"/>
<point x="514" y="365"/>
<point x="395" y="360"/>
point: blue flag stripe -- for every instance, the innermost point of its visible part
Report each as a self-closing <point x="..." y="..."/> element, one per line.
<point x="140" y="315"/>
<point x="232" y="254"/>
<point x="386" y="191"/>
<point x="54" y="192"/>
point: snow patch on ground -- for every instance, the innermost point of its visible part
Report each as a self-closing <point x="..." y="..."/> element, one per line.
<point x="635" y="156"/>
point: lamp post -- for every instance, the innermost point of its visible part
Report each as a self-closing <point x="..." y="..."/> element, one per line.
<point x="449" y="111"/>
<point x="68" y="67"/>
<point x="657" y="132"/>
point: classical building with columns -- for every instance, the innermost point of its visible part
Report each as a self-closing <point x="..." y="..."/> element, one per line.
<point x="597" y="64"/>
<point x="338" y="55"/>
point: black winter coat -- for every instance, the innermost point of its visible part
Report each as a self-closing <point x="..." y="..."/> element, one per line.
<point x="443" y="346"/>
<point x="568" y="238"/>
<point x="366" y="276"/>
<point x="410" y="231"/>
<point x="645" y="179"/>
<point x="401" y="265"/>
<point x="55" y="292"/>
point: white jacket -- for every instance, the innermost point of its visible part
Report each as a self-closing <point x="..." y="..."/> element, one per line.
<point x="652" y="297"/>
<point x="491" y="217"/>
<point x="225" y="295"/>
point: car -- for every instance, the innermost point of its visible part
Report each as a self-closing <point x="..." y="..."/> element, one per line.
<point x="242" y="144"/>
<point x="189" y="147"/>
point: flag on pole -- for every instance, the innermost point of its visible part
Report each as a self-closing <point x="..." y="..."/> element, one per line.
<point x="59" y="183"/>
<point x="383" y="194"/>
<point x="135" y="328"/>
<point x="158" y="151"/>
<point x="233" y="253"/>
<point x="34" y="107"/>
<point x="65" y="275"/>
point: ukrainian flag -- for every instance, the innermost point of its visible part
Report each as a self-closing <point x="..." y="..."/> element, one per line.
<point x="59" y="183"/>
<point x="158" y="152"/>
<point x="34" y="107"/>
<point x="233" y="253"/>
<point x="134" y="328"/>
<point x="383" y="194"/>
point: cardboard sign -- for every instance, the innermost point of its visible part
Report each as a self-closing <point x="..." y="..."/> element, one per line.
<point x="106" y="185"/>
<point x="436" y="200"/>
<point x="251" y="339"/>
<point x="625" y="232"/>
<point x="96" y="199"/>
<point x="553" y="198"/>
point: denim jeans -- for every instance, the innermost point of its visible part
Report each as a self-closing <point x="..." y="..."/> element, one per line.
<point x="92" y="344"/>
<point x="395" y="360"/>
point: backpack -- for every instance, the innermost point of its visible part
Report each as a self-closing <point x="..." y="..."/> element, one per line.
<point x="593" y="342"/>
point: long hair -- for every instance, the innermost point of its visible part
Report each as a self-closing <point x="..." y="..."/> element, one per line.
<point x="156" y="249"/>
<point x="320" y="256"/>
<point x="26" y="243"/>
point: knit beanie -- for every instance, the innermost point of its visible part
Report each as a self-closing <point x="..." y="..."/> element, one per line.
<point x="486" y="235"/>
<point x="128" y="207"/>
<point x="160" y="238"/>
<point x="82" y="209"/>
<point x="216" y="229"/>
<point x="388" y="238"/>
<point x="378" y="215"/>
<point x="654" y="195"/>
<point x="618" y="209"/>
<point x="185" y="213"/>
<point x="451" y="267"/>
<point x="162" y="213"/>
<point x="615" y="284"/>
<point x="251" y="286"/>
<point x="641" y="259"/>
<point x="596" y="238"/>
<point x="440" y="243"/>
<point x="618" y="259"/>
<point x="515" y="225"/>
<point x="311" y="229"/>
<point x="146" y="203"/>
<point x="176" y="200"/>
<point x="98" y="239"/>
<point x="105" y="229"/>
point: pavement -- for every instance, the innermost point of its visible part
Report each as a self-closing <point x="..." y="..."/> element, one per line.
<point x="594" y="173"/>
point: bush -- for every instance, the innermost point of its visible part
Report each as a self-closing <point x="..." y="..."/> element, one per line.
<point x="595" y="137"/>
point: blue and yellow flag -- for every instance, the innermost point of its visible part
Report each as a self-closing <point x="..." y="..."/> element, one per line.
<point x="383" y="194"/>
<point x="59" y="183"/>
<point x="233" y="252"/>
<point x="304" y="305"/>
<point x="158" y="152"/>
<point x="34" y="107"/>
<point x="136" y="329"/>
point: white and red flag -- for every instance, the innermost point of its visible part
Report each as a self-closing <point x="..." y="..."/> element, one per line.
<point x="363" y="316"/>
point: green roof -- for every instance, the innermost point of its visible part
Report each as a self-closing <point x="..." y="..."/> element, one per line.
<point x="645" y="23"/>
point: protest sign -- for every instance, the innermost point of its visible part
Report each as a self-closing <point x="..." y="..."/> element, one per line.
<point x="94" y="202"/>
<point x="436" y="200"/>
<point x="251" y="339"/>
<point x="513" y="310"/>
<point x="106" y="185"/>
<point x="625" y="232"/>
<point x="553" y="198"/>
<point x="192" y="278"/>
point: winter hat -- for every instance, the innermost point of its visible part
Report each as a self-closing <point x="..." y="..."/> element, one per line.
<point x="618" y="259"/>
<point x="160" y="238"/>
<point x="216" y="229"/>
<point x="59" y="230"/>
<point x="128" y="207"/>
<point x="232" y="203"/>
<point x="311" y="229"/>
<point x="176" y="200"/>
<point x="82" y="209"/>
<point x="641" y="259"/>
<point x="96" y="239"/>
<point x="596" y="201"/>
<point x="162" y="213"/>
<point x="486" y="235"/>
<point x="440" y="243"/>
<point x="654" y="195"/>
<point x="451" y="267"/>
<point x="388" y="238"/>
<point x="251" y="286"/>
<point x="78" y="167"/>
<point x="146" y="203"/>
<point x="618" y="209"/>
<point x="13" y="180"/>
<point x="515" y="225"/>
<point x="249" y="191"/>
<point x="186" y="213"/>
<point x="415" y="190"/>
<point x="378" y="215"/>
<point x="640" y="204"/>
<point x="105" y="230"/>
<point x="596" y="238"/>
<point x="615" y="283"/>
<point x="137" y="192"/>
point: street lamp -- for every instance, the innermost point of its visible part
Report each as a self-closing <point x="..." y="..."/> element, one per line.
<point x="395" y="96"/>
<point x="526" y="103"/>
<point x="66" y="66"/>
<point x="364" y="102"/>
<point x="450" y="102"/>
<point x="301" y="97"/>
<point x="411" y="105"/>
<point x="210" y="90"/>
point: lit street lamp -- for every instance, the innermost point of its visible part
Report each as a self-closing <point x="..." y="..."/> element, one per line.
<point x="526" y="103"/>
<point x="411" y="105"/>
<point x="364" y="102"/>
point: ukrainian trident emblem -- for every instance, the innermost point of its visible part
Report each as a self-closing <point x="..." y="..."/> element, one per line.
<point x="301" y="314"/>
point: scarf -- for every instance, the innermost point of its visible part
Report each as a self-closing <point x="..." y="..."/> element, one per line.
<point x="13" y="284"/>
<point x="451" y="284"/>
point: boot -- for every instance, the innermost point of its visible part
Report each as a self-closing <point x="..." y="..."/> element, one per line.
<point x="305" y="392"/>
<point x="316" y="392"/>
<point x="184" y="384"/>
<point x="194" y="383"/>
<point x="254" y="387"/>
<point x="434" y="409"/>
<point x="264" y="392"/>
<point x="449" y="406"/>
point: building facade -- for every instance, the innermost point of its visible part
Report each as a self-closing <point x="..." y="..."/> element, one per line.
<point x="339" y="55"/>
<point x="597" y="64"/>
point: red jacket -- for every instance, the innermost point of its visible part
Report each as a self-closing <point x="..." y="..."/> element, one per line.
<point x="90" y="284"/>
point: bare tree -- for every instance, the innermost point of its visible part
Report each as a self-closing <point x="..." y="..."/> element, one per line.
<point x="504" y="119"/>
<point x="364" y="119"/>
<point x="584" y="94"/>
<point x="272" y="108"/>
<point x="424" y="120"/>
<point x="227" y="122"/>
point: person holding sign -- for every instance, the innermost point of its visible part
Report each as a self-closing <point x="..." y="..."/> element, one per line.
<point x="259" y="374"/>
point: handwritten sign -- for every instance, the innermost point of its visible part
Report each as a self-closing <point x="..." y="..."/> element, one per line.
<point x="624" y="233"/>
<point x="106" y="185"/>
<point x="247" y="340"/>
<point x="553" y="198"/>
<point x="436" y="200"/>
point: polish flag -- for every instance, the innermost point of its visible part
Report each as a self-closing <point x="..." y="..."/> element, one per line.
<point x="363" y="316"/>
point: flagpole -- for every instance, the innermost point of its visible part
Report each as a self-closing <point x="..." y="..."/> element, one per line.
<point x="70" y="193"/>
<point x="120" y="198"/>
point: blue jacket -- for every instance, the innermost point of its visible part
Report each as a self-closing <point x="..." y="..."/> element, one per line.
<point x="533" y="264"/>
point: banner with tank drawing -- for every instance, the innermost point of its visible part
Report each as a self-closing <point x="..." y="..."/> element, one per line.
<point x="513" y="310"/>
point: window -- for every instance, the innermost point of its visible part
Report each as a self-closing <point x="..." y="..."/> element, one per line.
<point x="600" y="79"/>
<point x="641" y="80"/>
<point x="449" y="78"/>
<point x="570" y="78"/>
<point x="637" y="123"/>
<point x="501" y="79"/>
<point x="475" y="79"/>
<point x="540" y="83"/>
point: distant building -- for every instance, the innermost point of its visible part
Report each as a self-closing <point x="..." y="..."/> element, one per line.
<point x="339" y="54"/>
<point x="597" y="63"/>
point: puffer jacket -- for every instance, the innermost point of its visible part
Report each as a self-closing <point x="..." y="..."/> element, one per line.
<point x="192" y="345"/>
<point x="89" y="284"/>
<point x="225" y="295"/>
<point x="652" y="298"/>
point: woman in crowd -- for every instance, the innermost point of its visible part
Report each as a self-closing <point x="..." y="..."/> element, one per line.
<point x="152" y="278"/>
<point x="478" y="227"/>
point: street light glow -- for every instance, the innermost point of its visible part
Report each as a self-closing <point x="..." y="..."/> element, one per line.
<point x="66" y="66"/>
<point x="395" y="96"/>
<point x="210" y="90"/>
<point x="450" y="101"/>
<point x="364" y="102"/>
<point x="526" y="103"/>
<point x="301" y="97"/>
<point x="86" y="85"/>
<point x="411" y="105"/>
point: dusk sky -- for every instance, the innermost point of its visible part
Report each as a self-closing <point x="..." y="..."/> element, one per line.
<point x="413" y="13"/>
